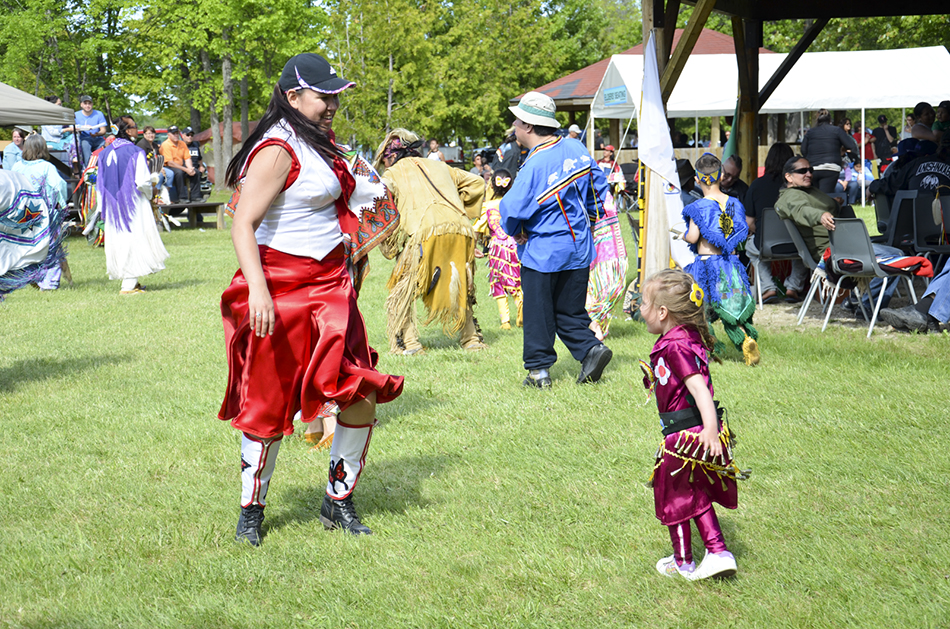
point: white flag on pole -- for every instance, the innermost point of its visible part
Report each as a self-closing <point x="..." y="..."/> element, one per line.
<point x="665" y="224"/>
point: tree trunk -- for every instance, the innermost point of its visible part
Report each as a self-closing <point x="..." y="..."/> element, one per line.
<point x="219" y="163"/>
<point x="245" y="123"/>
<point x="227" y="87"/>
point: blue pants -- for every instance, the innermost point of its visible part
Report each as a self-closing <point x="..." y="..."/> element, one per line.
<point x="88" y="144"/>
<point x="554" y="304"/>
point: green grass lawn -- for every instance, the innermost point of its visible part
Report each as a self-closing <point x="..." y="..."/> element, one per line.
<point x="493" y="505"/>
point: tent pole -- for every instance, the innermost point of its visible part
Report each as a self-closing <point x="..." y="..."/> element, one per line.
<point x="863" y="160"/>
<point x="623" y="139"/>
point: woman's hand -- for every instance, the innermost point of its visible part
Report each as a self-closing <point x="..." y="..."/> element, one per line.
<point x="260" y="310"/>
<point x="828" y="221"/>
<point x="709" y="437"/>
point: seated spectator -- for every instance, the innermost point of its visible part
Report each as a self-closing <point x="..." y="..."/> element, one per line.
<point x="11" y="154"/>
<point x="91" y="127"/>
<point x="763" y="193"/>
<point x="932" y="309"/>
<point x="909" y="122"/>
<point x="861" y="136"/>
<point x="730" y="183"/>
<point x="925" y="169"/>
<point x="153" y="150"/>
<point x="850" y="182"/>
<point x="194" y="147"/>
<point x="925" y="116"/>
<point x="53" y="135"/>
<point x="941" y="122"/>
<point x="186" y="185"/>
<point x="814" y="213"/>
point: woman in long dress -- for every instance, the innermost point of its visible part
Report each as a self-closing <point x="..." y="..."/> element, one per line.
<point x="35" y="165"/>
<point x="124" y="189"/>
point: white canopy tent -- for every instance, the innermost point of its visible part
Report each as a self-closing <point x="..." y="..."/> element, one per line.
<point x="19" y="108"/>
<point x="708" y="85"/>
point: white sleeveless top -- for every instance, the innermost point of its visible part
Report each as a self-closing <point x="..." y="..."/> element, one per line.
<point x="302" y="220"/>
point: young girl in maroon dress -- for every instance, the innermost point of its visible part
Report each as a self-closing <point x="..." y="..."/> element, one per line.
<point x="694" y="465"/>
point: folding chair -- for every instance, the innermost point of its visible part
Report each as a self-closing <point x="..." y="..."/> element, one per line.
<point x="900" y="224"/>
<point x="850" y="242"/>
<point x="882" y="212"/>
<point x="809" y="262"/>
<point x="776" y="244"/>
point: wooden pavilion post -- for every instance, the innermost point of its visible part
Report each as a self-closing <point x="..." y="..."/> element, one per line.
<point x="748" y="39"/>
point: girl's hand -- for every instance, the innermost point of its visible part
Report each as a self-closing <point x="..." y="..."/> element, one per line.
<point x="261" y="312"/>
<point x="709" y="437"/>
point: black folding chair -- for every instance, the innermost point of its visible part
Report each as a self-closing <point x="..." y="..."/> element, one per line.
<point x="776" y="244"/>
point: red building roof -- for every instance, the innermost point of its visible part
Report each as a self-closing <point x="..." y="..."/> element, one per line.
<point x="578" y="88"/>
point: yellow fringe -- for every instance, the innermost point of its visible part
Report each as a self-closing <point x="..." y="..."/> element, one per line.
<point x="412" y="276"/>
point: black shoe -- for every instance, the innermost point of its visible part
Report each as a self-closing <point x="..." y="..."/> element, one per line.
<point x="593" y="366"/>
<point x="907" y="318"/>
<point x="249" y="525"/>
<point x="849" y="305"/>
<point x="342" y="514"/>
<point x="538" y="378"/>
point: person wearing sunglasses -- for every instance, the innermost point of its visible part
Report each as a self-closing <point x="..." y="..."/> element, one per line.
<point x="814" y="212"/>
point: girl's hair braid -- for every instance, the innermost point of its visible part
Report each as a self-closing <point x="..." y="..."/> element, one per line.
<point x="673" y="288"/>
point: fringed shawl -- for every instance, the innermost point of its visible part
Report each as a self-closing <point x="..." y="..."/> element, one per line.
<point x="116" y="182"/>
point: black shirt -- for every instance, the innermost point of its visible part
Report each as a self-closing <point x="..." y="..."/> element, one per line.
<point x="881" y="146"/>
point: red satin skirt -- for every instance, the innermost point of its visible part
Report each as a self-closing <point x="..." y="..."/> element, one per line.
<point x="318" y="351"/>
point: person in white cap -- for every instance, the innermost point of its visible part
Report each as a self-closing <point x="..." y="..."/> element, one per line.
<point x="549" y="209"/>
<point x="574" y="132"/>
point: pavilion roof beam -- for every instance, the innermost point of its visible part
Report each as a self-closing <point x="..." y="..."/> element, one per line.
<point x="782" y="71"/>
<point x="771" y="10"/>
<point x="690" y="35"/>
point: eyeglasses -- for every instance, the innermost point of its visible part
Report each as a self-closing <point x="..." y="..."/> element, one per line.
<point x="802" y="171"/>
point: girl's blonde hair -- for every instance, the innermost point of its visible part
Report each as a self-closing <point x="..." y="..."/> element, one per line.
<point x="674" y="289"/>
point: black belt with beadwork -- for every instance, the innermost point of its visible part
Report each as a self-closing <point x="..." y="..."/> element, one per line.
<point x="690" y="417"/>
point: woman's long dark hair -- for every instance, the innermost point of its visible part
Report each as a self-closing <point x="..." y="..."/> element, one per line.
<point x="309" y="132"/>
<point x="779" y="153"/>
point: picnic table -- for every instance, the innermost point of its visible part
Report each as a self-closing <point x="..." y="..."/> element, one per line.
<point x="194" y="209"/>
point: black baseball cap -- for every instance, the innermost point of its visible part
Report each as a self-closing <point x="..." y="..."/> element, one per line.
<point x="173" y="129"/>
<point x="311" y="71"/>
<point x="882" y="118"/>
<point x="84" y="98"/>
<point x="188" y="131"/>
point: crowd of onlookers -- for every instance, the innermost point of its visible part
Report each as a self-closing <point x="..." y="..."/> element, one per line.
<point x="74" y="145"/>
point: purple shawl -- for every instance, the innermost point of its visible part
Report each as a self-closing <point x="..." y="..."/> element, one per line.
<point x="116" y="178"/>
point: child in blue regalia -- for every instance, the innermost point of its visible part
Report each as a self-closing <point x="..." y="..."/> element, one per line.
<point x="716" y="226"/>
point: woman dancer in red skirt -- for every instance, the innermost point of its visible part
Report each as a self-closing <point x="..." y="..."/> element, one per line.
<point x="295" y="337"/>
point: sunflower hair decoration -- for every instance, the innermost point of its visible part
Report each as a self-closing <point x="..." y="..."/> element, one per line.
<point x="696" y="295"/>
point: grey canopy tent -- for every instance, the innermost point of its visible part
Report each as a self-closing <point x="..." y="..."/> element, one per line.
<point x="19" y="108"/>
